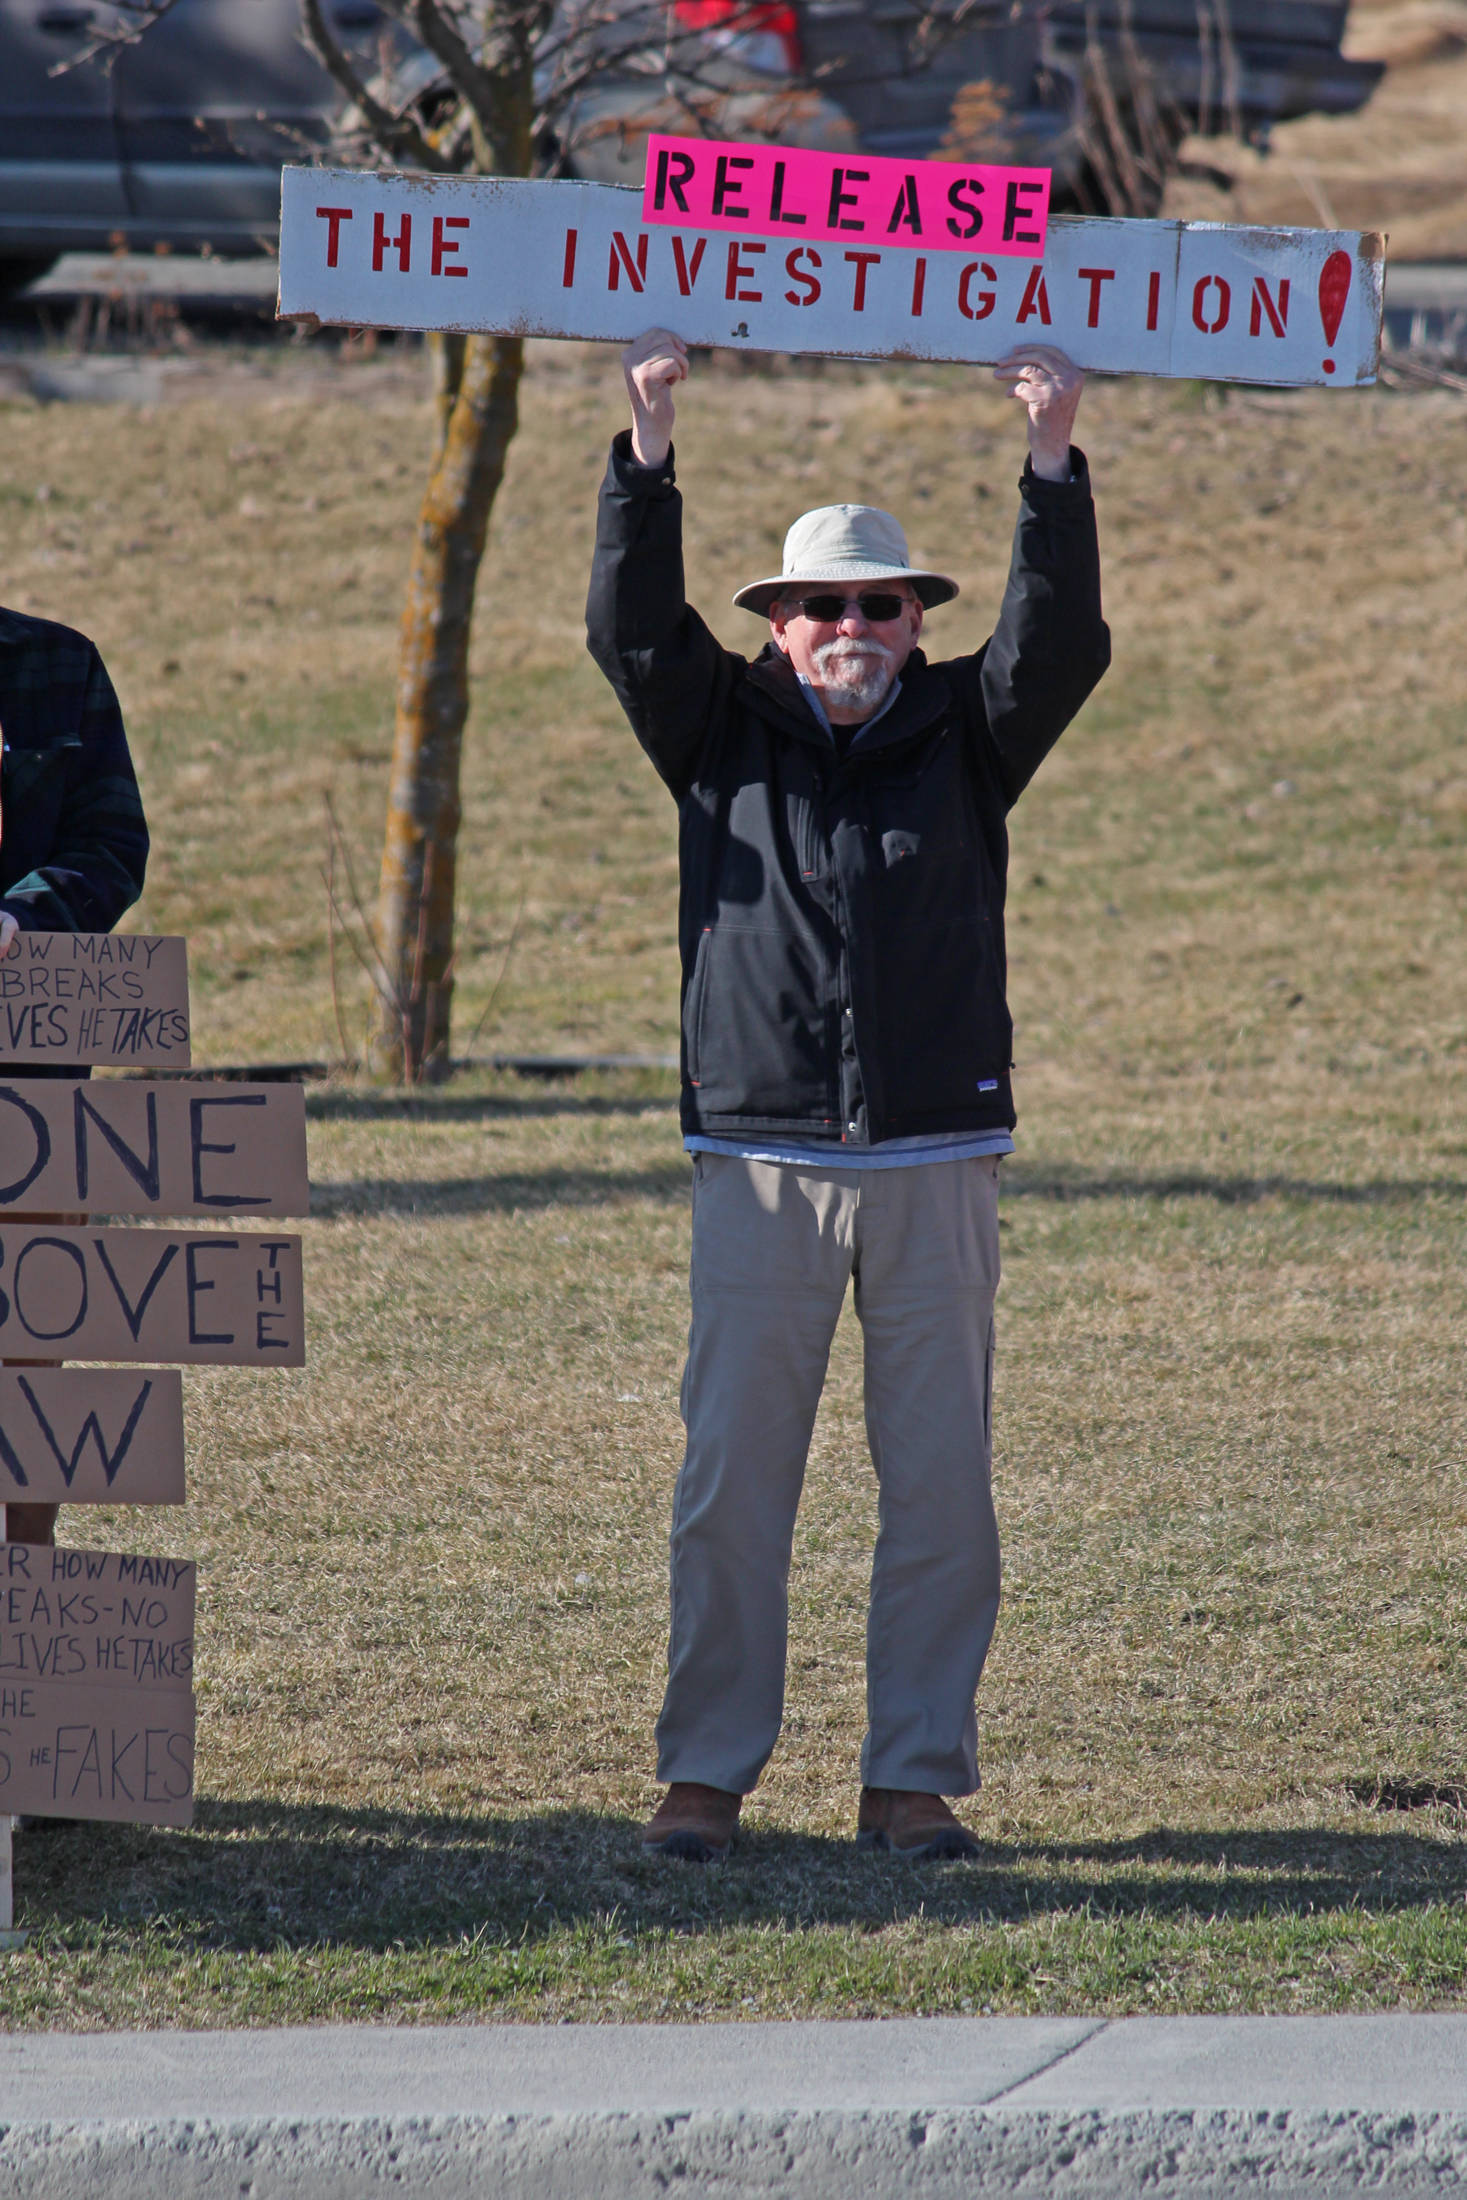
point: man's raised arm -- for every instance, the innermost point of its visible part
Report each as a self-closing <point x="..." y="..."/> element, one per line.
<point x="1051" y="644"/>
<point x="665" y="666"/>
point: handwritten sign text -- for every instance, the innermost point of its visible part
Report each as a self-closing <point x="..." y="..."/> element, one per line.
<point x="74" y="1749"/>
<point x="138" y="1148"/>
<point x="210" y="1297"/>
<point x="94" y="997"/>
<point x="91" y="1436"/>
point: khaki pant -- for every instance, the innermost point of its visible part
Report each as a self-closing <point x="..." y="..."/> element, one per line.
<point x="773" y="1250"/>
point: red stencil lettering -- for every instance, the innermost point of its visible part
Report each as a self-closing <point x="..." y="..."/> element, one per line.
<point x="1334" y="289"/>
<point x="687" y="274"/>
<point x="401" y="244"/>
<point x="741" y="270"/>
<point x="334" y="216"/>
<point x="621" y="262"/>
<point x="861" y="261"/>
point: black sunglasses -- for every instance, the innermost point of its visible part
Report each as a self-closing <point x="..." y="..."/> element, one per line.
<point x="875" y="607"/>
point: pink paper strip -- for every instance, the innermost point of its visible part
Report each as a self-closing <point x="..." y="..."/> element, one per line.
<point x="785" y="191"/>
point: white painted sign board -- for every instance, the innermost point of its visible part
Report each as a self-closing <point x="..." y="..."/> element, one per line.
<point x="1199" y="300"/>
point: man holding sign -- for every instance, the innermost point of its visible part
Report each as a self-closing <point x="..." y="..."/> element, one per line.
<point x="846" y="1057"/>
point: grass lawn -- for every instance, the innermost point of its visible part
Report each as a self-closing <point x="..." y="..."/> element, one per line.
<point x="1230" y="1459"/>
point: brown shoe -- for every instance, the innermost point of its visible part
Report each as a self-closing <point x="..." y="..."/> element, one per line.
<point x="918" y="1827"/>
<point x="693" y="1822"/>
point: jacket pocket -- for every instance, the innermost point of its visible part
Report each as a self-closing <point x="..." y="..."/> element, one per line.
<point x="944" y="1025"/>
<point x="756" y="1025"/>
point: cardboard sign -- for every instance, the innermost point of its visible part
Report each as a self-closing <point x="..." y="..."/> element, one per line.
<point x="94" y="997"/>
<point x="136" y="1148"/>
<point x="1202" y="300"/>
<point x="812" y="198"/>
<point x="205" y="1298"/>
<point x="69" y="1615"/>
<point x="90" y="1436"/>
<point x="78" y="1750"/>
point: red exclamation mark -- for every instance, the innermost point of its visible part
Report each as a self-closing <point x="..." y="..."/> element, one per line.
<point x="1334" y="289"/>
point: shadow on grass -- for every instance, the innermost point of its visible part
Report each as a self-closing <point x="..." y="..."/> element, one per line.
<point x="477" y="1195"/>
<point x="433" y="1106"/>
<point x="1061" y="1186"/>
<point x="440" y="1196"/>
<point x="267" y="1876"/>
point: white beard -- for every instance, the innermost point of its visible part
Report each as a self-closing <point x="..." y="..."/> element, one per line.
<point x="854" y="675"/>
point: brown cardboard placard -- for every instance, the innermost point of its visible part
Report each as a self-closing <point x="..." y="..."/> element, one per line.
<point x="95" y="997"/>
<point x="77" y="1750"/>
<point x="95" y="1617"/>
<point x="130" y="1147"/>
<point x="207" y="1297"/>
<point x="91" y="1436"/>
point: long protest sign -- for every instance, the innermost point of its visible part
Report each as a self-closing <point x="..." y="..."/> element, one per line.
<point x="167" y="1148"/>
<point x="1200" y="300"/>
<point x="95" y="997"/>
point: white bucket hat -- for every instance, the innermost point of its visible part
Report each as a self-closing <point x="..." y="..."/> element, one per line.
<point x="846" y="542"/>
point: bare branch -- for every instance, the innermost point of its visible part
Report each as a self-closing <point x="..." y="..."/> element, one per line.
<point x="379" y="977"/>
<point x="397" y="135"/>
<point x="137" y="19"/>
<point x="431" y="24"/>
<point x="329" y="875"/>
<point x="510" y="946"/>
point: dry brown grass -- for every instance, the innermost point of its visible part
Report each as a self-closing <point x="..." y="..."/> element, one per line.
<point x="1399" y="165"/>
<point x="1230" y="1423"/>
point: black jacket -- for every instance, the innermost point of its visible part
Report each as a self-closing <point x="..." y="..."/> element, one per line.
<point x="841" y="920"/>
<point x="73" y="844"/>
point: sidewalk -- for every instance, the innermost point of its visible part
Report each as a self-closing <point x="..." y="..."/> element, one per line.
<point x="928" y="2107"/>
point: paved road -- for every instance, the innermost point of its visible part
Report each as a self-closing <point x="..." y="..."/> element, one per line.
<point x="924" y="2107"/>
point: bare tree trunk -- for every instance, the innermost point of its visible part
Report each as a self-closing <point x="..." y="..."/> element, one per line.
<point x="477" y="382"/>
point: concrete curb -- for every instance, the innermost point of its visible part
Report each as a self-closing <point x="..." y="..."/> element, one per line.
<point x="1070" y="2109"/>
<point x="831" y="2156"/>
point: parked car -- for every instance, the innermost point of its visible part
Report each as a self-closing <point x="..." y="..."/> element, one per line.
<point x="177" y="139"/>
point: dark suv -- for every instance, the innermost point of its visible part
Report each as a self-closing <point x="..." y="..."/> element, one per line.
<point x="178" y="138"/>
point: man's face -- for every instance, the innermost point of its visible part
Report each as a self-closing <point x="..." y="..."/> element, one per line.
<point x="851" y="660"/>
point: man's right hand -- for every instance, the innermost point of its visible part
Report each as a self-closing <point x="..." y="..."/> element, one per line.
<point x="653" y="365"/>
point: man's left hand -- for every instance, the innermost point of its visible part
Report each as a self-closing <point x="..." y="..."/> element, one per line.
<point x="1049" y="384"/>
<point x="8" y="930"/>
